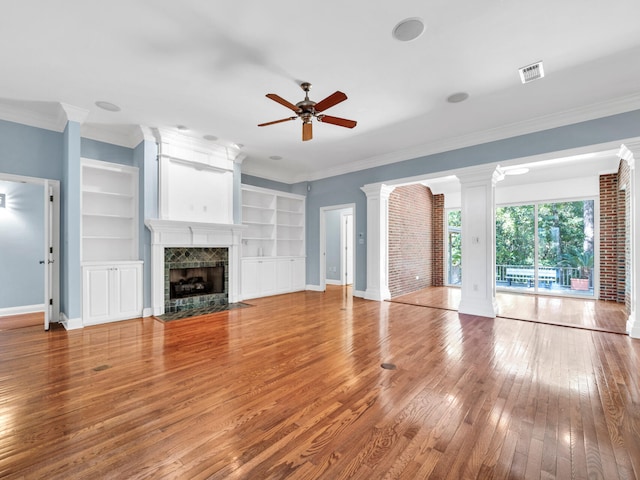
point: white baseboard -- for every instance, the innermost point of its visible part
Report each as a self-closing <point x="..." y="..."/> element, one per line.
<point x="633" y="326"/>
<point x="21" y="310"/>
<point x="70" y="324"/>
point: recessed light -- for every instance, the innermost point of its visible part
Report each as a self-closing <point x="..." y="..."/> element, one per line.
<point x="108" y="106"/>
<point x="275" y="157"/>
<point x="408" y="29"/>
<point x="211" y="138"/>
<point x="457" y="97"/>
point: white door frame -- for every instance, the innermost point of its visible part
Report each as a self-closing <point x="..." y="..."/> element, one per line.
<point x="50" y="242"/>
<point x="323" y="241"/>
<point x="346" y="248"/>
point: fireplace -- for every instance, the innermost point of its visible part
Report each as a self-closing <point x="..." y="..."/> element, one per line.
<point x="187" y="282"/>
<point x="195" y="277"/>
<point x="170" y="242"/>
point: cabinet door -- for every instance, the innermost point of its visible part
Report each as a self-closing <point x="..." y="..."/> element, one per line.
<point x="267" y="276"/>
<point x="283" y="274"/>
<point x="127" y="291"/>
<point x="96" y="306"/>
<point x="250" y="283"/>
<point x="299" y="274"/>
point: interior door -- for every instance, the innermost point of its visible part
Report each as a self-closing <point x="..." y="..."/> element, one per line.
<point x="48" y="255"/>
<point x="52" y="252"/>
<point x="348" y="249"/>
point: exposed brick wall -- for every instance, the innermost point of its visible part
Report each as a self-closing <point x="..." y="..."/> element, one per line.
<point x="608" y="237"/>
<point x="410" y="239"/>
<point x="615" y="237"/>
<point x="437" y="274"/>
<point x="624" y="235"/>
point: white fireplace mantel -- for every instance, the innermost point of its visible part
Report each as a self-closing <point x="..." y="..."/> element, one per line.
<point x="173" y="233"/>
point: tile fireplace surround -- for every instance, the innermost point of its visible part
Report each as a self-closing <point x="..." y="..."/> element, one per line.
<point x="175" y="234"/>
<point x="194" y="258"/>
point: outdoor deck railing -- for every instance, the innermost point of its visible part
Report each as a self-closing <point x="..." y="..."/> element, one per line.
<point x="517" y="275"/>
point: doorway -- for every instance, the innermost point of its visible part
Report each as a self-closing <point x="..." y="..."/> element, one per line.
<point x="547" y="248"/>
<point x="29" y="233"/>
<point x="337" y="259"/>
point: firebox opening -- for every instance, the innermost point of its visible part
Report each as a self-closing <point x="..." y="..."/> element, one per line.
<point x="189" y="282"/>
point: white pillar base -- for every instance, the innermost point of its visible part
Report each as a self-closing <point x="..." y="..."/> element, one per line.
<point x="481" y="307"/>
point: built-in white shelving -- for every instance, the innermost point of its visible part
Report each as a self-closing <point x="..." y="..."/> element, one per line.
<point x="109" y="212"/>
<point x="273" y="243"/>
<point x="111" y="271"/>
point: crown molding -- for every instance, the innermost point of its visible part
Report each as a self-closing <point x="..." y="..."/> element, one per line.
<point x="273" y="175"/>
<point x="134" y="135"/>
<point x="69" y="113"/>
<point x="50" y="120"/>
<point x="547" y="122"/>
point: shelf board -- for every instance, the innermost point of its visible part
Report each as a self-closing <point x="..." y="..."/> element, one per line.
<point x="261" y="239"/>
<point x="262" y="224"/>
<point x="107" y="194"/>
<point x="295" y="212"/>
<point x="107" y="215"/>
<point x="105" y="237"/>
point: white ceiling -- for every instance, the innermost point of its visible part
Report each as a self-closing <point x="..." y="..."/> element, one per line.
<point x="208" y="65"/>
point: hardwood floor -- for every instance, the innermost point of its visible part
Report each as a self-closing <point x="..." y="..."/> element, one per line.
<point x="563" y="311"/>
<point x="293" y="388"/>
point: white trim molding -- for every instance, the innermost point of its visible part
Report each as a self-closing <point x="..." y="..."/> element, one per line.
<point x="629" y="153"/>
<point x="377" y="241"/>
<point x="170" y="233"/>
<point x="478" y="290"/>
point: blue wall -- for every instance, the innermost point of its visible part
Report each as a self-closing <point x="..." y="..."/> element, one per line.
<point x="21" y="245"/>
<point x="30" y="151"/>
<point x="70" y="243"/>
<point x="345" y="188"/>
<point x="264" y="183"/>
<point x="106" y="152"/>
<point x="145" y="157"/>
<point x="42" y="153"/>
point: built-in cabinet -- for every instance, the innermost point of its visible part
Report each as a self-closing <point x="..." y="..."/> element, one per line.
<point x="111" y="271"/>
<point x="273" y="251"/>
<point x="111" y="292"/>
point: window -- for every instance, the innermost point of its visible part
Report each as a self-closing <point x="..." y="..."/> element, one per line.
<point x="559" y="259"/>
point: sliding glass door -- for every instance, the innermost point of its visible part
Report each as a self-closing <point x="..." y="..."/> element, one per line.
<point x="558" y="259"/>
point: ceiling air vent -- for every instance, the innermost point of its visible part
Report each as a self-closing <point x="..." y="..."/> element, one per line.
<point x="531" y="72"/>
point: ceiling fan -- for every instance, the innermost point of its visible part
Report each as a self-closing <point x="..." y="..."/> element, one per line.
<point x="307" y="109"/>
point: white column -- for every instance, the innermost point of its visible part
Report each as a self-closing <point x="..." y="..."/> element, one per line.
<point x="629" y="153"/>
<point x="377" y="241"/>
<point x="478" y="295"/>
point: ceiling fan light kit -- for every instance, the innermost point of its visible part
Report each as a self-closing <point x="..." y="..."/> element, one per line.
<point x="307" y="109"/>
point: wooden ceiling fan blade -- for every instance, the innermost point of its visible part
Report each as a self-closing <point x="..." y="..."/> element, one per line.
<point x="342" y="122"/>
<point x="330" y="101"/>
<point x="282" y="101"/>
<point x="307" y="131"/>
<point x="277" y="121"/>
